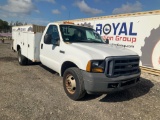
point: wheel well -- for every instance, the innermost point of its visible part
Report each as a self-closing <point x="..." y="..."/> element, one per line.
<point x="67" y="65"/>
<point x="18" y="47"/>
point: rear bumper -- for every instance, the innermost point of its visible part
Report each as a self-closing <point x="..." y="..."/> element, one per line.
<point x="99" y="83"/>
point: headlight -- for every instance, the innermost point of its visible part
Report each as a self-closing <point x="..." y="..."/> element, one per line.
<point x="96" y="66"/>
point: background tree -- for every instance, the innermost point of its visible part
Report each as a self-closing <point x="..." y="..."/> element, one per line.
<point x="4" y="27"/>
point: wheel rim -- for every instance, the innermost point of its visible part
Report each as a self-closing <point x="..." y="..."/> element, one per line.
<point x="70" y="84"/>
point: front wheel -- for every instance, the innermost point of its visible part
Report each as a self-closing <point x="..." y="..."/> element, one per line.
<point x="22" y="59"/>
<point x="73" y="83"/>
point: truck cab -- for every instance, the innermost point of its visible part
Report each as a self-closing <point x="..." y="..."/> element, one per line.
<point x="76" y="50"/>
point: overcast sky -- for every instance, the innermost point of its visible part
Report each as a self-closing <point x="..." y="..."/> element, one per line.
<point x="42" y="12"/>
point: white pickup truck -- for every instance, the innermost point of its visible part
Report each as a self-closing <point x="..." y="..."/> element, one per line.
<point x="86" y="62"/>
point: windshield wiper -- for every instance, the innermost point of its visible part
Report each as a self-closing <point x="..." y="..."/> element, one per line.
<point x="87" y="41"/>
<point x="82" y="41"/>
<point x="94" y="41"/>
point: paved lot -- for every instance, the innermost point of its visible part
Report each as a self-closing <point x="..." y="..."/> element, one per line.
<point x="35" y="93"/>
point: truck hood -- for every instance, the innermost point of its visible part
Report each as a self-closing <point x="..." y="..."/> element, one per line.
<point x="101" y="51"/>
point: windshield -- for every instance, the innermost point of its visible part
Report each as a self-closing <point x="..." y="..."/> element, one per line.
<point x="71" y="33"/>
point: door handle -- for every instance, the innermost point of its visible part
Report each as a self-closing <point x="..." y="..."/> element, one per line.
<point x="61" y="51"/>
<point x="41" y="46"/>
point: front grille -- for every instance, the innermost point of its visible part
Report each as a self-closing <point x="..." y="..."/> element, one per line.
<point x="120" y="66"/>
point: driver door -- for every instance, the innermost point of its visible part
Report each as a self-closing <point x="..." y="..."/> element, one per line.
<point x="50" y="54"/>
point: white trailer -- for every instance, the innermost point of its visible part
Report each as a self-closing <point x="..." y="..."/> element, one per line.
<point x="139" y="32"/>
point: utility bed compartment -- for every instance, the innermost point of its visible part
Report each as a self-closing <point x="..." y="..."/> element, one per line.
<point x="28" y="38"/>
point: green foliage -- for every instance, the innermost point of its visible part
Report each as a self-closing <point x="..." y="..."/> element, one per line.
<point x="4" y="25"/>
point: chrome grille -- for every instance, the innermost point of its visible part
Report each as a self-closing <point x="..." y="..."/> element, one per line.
<point x="125" y="65"/>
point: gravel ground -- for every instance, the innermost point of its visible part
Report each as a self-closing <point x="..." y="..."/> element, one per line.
<point x="35" y="92"/>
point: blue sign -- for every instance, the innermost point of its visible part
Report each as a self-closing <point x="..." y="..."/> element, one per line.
<point x="118" y="29"/>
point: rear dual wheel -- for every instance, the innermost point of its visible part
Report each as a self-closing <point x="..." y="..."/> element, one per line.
<point x="73" y="83"/>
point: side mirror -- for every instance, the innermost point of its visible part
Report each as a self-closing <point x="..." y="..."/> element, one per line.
<point x="47" y="38"/>
<point x="107" y="41"/>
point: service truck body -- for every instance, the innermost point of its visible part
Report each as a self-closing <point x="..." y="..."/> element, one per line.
<point x="87" y="64"/>
<point x="28" y="37"/>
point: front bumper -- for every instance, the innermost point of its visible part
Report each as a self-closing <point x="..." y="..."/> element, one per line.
<point x="99" y="83"/>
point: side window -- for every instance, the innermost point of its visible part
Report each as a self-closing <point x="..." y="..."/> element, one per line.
<point x="53" y="34"/>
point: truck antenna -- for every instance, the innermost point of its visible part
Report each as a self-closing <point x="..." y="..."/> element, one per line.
<point x="69" y="15"/>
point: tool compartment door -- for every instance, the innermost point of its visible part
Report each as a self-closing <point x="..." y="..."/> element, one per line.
<point x="34" y="46"/>
<point x="30" y="46"/>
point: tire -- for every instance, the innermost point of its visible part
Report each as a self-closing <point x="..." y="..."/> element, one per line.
<point x="22" y="59"/>
<point x="73" y="83"/>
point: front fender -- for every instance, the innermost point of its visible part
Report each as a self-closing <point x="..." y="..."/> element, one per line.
<point x="80" y="63"/>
